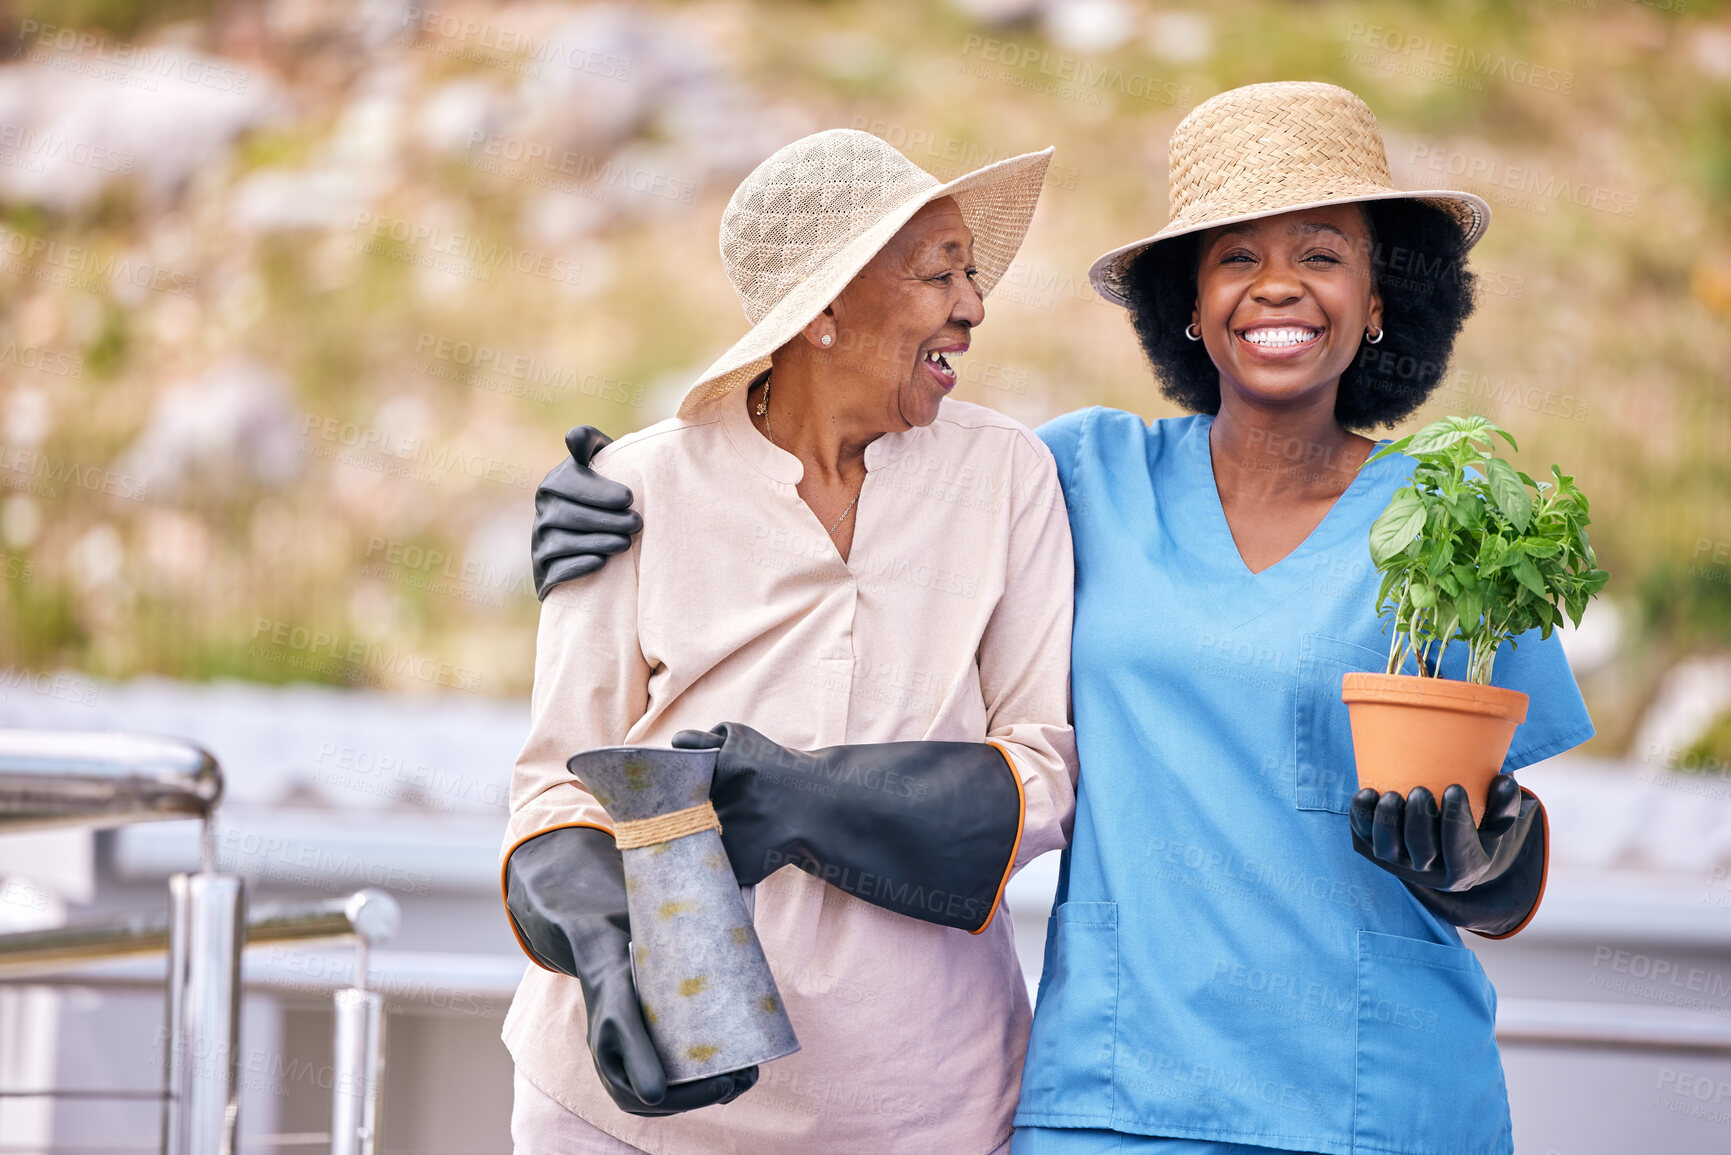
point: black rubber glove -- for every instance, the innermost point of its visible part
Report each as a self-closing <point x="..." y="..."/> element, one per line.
<point x="925" y="829"/>
<point x="565" y="891"/>
<point x="1486" y="878"/>
<point x="581" y="518"/>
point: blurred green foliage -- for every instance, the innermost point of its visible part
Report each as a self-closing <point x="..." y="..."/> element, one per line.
<point x="1603" y="344"/>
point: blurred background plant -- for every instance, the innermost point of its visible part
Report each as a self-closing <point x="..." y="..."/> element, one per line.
<point x="298" y="296"/>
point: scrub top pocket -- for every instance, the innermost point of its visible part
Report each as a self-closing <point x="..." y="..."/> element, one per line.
<point x="1067" y="1080"/>
<point x="1326" y="775"/>
<point x="1430" y="1080"/>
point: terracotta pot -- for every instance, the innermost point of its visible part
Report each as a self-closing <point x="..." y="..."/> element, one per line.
<point x="1409" y="731"/>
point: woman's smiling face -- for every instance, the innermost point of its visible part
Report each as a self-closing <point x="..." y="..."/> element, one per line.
<point x="1283" y="302"/>
<point x="908" y="315"/>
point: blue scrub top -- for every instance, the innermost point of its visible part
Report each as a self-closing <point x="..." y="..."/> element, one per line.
<point x="1221" y="964"/>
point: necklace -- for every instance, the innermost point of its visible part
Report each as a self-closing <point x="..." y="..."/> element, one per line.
<point x="845" y="512"/>
<point x="769" y="431"/>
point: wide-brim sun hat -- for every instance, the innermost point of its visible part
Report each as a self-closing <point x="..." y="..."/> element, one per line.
<point x="809" y="218"/>
<point x="1267" y="149"/>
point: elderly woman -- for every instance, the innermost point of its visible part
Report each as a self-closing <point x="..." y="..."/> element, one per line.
<point x="1247" y="955"/>
<point x="838" y="558"/>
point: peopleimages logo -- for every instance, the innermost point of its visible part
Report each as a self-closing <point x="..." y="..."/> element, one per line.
<point x="533" y="371"/>
<point x="593" y="174"/>
<point x="41" y="360"/>
<point x="465" y="35"/>
<point x="19" y="140"/>
<point x="305" y="648"/>
<point x="80" y="267"/>
<point x="52" y="40"/>
<point x="1488" y="171"/>
<point x="1419" y="50"/>
<point x="465" y="247"/>
<point x="351" y="443"/>
<point x="1067" y="75"/>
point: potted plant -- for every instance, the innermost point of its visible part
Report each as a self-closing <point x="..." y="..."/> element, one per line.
<point x="1471" y="550"/>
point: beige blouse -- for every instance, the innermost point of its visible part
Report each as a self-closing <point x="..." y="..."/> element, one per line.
<point x="949" y="621"/>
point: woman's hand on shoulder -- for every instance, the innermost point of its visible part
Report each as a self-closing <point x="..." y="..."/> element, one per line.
<point x="581" y="518"/>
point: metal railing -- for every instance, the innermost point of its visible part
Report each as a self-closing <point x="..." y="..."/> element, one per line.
<point x="1618" y="1026"/>
<point x="94" y="780"/>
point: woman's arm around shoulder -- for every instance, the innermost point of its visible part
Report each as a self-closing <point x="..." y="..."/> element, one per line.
<point x="1025" y="653"/>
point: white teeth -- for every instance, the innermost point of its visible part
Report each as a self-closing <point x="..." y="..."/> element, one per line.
<point x="1275" y="338"/>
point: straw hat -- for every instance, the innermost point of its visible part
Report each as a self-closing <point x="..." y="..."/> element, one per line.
<point x="809" y="218"/>
<point x="1266" y="149"/>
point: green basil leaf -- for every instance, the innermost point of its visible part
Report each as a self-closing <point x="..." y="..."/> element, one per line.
<point x="1399" y="524"/>
<point x="1492" y="551"/>
<point x="1470" y="606"/>
<point x="1436" y="437"/>
<point x="1389" y="450"/>
<point x="1528" y="575"/>
<point x="1468" y="513"/>
<point x="1512" y="496"/>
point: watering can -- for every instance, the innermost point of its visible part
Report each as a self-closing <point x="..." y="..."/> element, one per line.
<point x="708" y="997"/>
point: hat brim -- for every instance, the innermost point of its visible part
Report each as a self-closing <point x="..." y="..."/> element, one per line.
<point x="997" y="202"/>
<point x="1109" y="274"/>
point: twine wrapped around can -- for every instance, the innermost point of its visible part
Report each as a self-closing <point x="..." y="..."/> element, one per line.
<point x="708" y="997"/>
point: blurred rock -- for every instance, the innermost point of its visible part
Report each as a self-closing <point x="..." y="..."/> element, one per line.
<point x="559" y="218"/>
<point x="852" y="56"/>
<point x="1694" y="693"/>
<point x="97" y="558"/>
<point x="1607" y="816"/>
<point x="28" y="416"/>
<point x="1711" y="48"/>
<point x="1180" y="37"/>
<point x="236" y="423"/>
<point x="20" y="521"/>
<point x="496" y="553"/>
<point x="1597" y="640"/>
<point x="64" y="135"/>
<point x="353" y="168"/>
<point x="1089" y="27"/>
<point x="460" y="114"/>
<point x="998" y="11"/>
<point x="177" y="547"/>
<point x="599" y="73"/>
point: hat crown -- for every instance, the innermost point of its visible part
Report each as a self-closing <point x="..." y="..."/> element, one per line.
<point x="804" y="204"/>
<point x="1268" y="146"/>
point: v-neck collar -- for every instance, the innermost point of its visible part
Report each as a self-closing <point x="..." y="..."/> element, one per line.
<point x="1200" y="458"/>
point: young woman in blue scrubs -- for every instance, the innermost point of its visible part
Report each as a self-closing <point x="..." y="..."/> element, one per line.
<point x="1247" y="955"/>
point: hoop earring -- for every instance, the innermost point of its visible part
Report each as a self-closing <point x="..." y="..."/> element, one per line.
<point x="1192" y="336"/>
<point x="1369" y="340"/>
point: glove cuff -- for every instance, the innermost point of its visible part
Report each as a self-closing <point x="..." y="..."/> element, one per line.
<point x="531" y="923"/>
<point x="930" y="830"/>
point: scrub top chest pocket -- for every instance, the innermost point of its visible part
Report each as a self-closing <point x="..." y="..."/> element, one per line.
<point x="1326" y="777"/>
